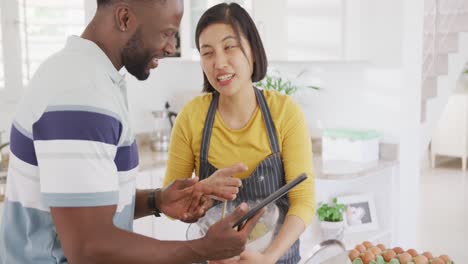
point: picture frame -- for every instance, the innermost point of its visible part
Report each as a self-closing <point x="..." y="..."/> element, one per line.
<point x="360" y="213"/>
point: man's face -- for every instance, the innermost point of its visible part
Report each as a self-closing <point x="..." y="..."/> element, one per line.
<point x="154" y="38"/>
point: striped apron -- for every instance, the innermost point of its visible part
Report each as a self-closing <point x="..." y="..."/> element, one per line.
<point x="267" y="177"/>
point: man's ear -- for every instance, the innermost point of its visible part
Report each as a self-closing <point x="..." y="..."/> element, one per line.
<point x="125" y="19"/>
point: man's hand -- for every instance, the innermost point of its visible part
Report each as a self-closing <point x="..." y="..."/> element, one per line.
<point x="187" y="200"/>
<point x="222" y="241"/>
<point x="175" y="200"/>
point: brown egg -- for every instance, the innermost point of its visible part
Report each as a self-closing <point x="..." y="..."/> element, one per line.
<point x="398" y="250"/>
<point x="404" y="257"/>
<point x="437" y="261"/>
<point x="444" y="258"/>
<point x="361" y="248"/>
<point x="420" y="259"/>
<point x="428" y="255"/>
<point x="382" y="247"/>
<point x="368" y="257"/>
<point x="367" y="244"/>
<point x="376" y="250"/>
<point x="389" y="255"/>
<point x="353" y="254"/>
<point x="412" y="252"/>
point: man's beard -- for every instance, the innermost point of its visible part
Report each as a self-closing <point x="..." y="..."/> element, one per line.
<point x="134" y="58"/>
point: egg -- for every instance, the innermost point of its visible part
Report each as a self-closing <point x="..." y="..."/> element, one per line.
<point x="361" y="248"/>
<point x="437" y="261"/>
<point x="398" y="250"/>
<point x="368" y="257"/>
<point x="412" y="252"/>
<point x="353" y="254"/>
<point x="367" y="244"/>
<point x="444" y="258"/>
<point x="420" y="259"/>
<point x="376" y="250"/>
<point x="389" y="254"/>
<point x="428" y="255"/>
<point x="404" y="257"/>
<point x="382" y="247"/>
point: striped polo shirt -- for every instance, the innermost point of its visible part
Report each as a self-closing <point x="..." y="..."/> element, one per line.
<point x="71" y="146"/>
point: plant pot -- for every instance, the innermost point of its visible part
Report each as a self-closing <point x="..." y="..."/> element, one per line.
<point x="332" y="230"/>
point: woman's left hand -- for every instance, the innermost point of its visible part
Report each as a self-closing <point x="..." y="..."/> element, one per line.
<point x="255" y="257"/>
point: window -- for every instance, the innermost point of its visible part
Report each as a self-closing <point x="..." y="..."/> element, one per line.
<point x="315" y="29"/>
<point x="44" y="28"/>
<point x="198" y="7"/>
<point x="2" y="71"/>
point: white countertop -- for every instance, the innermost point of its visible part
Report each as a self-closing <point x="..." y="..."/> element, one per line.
<point x="344" y="170"/>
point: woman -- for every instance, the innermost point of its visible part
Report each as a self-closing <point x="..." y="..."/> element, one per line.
<point x="236" y="122"/>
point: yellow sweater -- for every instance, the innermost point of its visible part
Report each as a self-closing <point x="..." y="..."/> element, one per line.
<point x="249" y="145"/>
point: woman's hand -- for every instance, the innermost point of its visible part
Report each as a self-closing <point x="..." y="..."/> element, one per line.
<point x="221" y="185"/>
<point x="188" y="199"/>
<point x="254" y="257"/>
<point x="233" y="260"/>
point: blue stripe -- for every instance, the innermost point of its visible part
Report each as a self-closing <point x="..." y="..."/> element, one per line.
<point x="27" y="236"/>
<point x="126" y="157"/>
<point x="81" y="199"/>
<point x="77" y="125"/>
<point x="22" y="146"/>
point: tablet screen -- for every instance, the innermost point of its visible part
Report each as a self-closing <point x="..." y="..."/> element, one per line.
<point x="273" y="197"/>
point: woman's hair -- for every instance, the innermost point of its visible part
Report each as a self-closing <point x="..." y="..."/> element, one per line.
<point x="234" y="15"/>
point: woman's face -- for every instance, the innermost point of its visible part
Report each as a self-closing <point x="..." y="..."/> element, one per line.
<point x="227" y="68"/>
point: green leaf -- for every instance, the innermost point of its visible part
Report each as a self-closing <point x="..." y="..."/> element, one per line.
<point x="333" y="213"/>
<point x="281" y="85"/>
<point x="313" y="87"/>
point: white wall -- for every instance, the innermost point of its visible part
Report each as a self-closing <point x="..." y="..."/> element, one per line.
<point x="382" y="31"/>
<point x="354" y="94"/>
<point x="410" y="126"/>
<point x="175" y="81"/>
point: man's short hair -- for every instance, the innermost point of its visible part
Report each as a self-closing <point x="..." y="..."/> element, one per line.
<point x="103" y="2"/>
<point x="108" y="2"/>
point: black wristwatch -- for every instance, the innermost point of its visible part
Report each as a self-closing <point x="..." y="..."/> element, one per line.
<point x="152" y="203"/>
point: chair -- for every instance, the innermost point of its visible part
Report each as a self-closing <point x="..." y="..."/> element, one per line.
<point x="450" y="135"/>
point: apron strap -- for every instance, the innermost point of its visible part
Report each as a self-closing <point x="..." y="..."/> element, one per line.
<point x="268" y="120"/>
<point x="207" y="129"/>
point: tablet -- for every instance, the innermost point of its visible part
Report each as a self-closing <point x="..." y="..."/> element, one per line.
<point x="273" y="197"/>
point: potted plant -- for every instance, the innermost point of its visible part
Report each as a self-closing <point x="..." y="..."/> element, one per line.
<point x="281" y="84"/>
<point x="331" y="220"/>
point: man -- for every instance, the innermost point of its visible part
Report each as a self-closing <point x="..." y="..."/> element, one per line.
<point x="71" y="186"/>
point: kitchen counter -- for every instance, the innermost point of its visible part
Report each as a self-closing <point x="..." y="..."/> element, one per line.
<point x="343" y="170"/>
<point x="150" y="159"/>
<point x="329" y="170"/>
